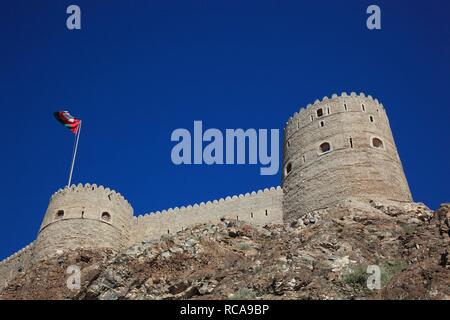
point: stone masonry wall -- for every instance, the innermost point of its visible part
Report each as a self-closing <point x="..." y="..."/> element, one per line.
<point x="353" y="167"/>
<point x="260" y="208"/>
<point x="82" y="223"/>
<point x="15" y="264"/>
<point x="81" y="226"/>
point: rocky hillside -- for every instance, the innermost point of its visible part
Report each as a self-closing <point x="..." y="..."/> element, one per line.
<point x="323" y="256"/>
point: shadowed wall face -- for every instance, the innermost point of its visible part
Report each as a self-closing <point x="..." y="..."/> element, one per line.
<point x="339" y="148"/>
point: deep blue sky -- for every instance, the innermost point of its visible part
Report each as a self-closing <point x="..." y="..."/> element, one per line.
<point x="140" y="69"/>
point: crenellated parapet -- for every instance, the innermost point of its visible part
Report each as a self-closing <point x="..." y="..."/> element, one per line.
<point x="337" y="148"/>
<point x="94" y="191"/>
<point x="84" y="216"/>
<point x="331" y="105"/>
<point x="260" y="207"/>
<point x="15" y="264"/>
<point x="212" y="203"/>
<point x="75" y="217"/>
<point x="17" y="254"/>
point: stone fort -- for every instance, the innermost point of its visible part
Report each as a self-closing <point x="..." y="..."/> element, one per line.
<point x="335" y="149"/>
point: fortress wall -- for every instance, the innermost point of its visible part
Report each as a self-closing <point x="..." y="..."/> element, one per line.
<point x="352" y="168"/>
<point x="312" y="179"/>
<point x="89" y="202"/>
<point x="70" y="234"/>
<point x="16" y="263"/>
<point x="259" y="208"/>
<point x="91" y="217"/>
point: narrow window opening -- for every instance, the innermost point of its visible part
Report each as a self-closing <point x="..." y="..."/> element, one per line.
<point x="109" y="196"/>
<point x="322" y="124"/>
<point x="82" y="214"/>
<point x="351" y="142"/>
<point x="328" y="110"/>
<point x="237" y="218"/>
<point x="168" y="231"/>
<point x="251" y="214"/>
<point x="304" y="159"/>
<point x="288" y="168"/>
<point x="319" y="112"/>
<point x="325" y="147"/>
<point x="312" y="118"/>
<point x="266" y="212"/>
<point x="345" y="106"/>
<point x="371" y="119"/>
<point x="363" y="107"/>
<point x="288" y="144"/>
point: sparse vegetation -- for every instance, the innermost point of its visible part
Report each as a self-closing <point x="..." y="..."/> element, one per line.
<point x="258" y="269"/>
<point x="244" y="246"/>
<point x="408" y="229"/>
<point x="295" y="264"/>
<point x="357" y="278"/>
<point x="244" y="294"/>
<point x="390" y="269"/>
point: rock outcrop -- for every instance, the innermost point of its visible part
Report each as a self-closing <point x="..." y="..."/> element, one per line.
<point x="324" y="255"/>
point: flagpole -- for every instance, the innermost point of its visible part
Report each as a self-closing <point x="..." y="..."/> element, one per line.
<point x="74" y="155"/>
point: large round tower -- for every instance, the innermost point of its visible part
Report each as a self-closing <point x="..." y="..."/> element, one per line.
<point x="84" y="216"/>
<point x="336" y="149"/>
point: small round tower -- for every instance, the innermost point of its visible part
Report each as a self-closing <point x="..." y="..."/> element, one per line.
<point x="84" y="216"/>
<point x="336" y="149"/>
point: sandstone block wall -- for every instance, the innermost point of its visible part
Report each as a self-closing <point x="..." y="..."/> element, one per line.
<point x="260" y="208"/>
<point x="84" y="216"/>
<point x="82" y="225"/>
<point x="353" y="167"/>
<point x="15" y="264"/>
